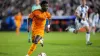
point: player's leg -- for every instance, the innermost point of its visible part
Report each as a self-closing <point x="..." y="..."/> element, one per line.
<point x="86" y="25"/>
<point x="87" y="36"/>
<point x="74" y="30"/>
<point x="35" y="41"/>
<point x="93" y="27"/>
<point x="32" y="49"/>
<point x="18" y="28"/>
<point x="93" y="30"/>
<point x="29" y="36"/>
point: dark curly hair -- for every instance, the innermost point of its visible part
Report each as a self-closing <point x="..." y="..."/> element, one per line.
<point x="43" y="2"/>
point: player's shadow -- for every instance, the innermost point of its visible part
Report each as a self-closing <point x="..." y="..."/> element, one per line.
<point x="1" y="53"/>
<point x="59" y="44"/>
<point x="95" y="46"/>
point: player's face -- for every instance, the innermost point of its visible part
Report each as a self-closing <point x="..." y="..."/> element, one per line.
<point x="37" y="2"/>
<point x="44" y="7"/>
<point x="83" y="2"/>
<point x="19" y="13"/>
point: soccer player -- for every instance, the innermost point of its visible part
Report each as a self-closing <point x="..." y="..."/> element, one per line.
<point x="18" y="21"/>
<point x="34" y="7"/>
<point x="82" y="20"/>
<point x="38" y="18"/>
<point x="94" y="19"/>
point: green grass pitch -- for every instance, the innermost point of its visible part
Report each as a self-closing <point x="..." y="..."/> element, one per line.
<point x="55" y="44"/>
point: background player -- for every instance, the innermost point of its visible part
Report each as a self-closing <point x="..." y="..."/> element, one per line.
<point x="94" y="19"/>
<point x="82" y="20"/>
<point x="18" y="22"/>
<point x="34" y="7"/>
<point x="38" y="18"/>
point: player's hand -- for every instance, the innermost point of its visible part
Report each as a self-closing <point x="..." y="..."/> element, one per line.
<point x="48" y="29"/>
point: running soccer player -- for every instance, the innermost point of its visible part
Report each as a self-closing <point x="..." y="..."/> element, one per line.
<point x="82" y="20"/>
<point x="18" y="22"/>
<point x="38" y="18"/>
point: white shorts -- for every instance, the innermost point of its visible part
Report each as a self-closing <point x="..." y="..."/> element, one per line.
<point x="81" y="23"/>
<point x="93" y="24"/>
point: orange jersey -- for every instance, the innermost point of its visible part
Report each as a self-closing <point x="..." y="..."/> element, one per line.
<point x="38" y="21"/>
<point x="18" y="19"/>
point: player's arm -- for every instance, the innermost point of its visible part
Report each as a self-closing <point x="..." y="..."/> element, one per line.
<point x="48" y="26"/>
<point x="49" y="22"/>
<point x="29" y="22"/>
<point x="79" y="16"/>
<point x="77" y="13"/>
<point x="87" y="14"/>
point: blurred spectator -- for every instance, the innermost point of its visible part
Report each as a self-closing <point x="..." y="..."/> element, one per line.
<point x="0" y="20"/>
<point x="57" y="7"/>
<point x="55" y="25"/>
<point x="60" y="12"/>
<point x="63" y="25"/>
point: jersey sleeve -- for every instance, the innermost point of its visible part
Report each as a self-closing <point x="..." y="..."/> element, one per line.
<point x="49" y="16"/>
<point x="31" y="15"/>
<point x="77" y="9"/>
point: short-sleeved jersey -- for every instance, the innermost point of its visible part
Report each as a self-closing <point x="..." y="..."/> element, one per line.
<point x="18" y="18"/>
<point x="82" y="10"/>
<point x="96" y="17"/>
<point x="39" y="19"/>
<point x="34" y="7"/>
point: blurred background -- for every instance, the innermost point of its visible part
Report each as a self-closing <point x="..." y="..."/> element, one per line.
<point x="56" y="43"/>
<point x="62" y="12"/>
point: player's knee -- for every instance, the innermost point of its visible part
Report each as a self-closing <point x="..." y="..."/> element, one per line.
<point x="36" y="40"/>
<point x="88" y="32"/>
<point x="87" y="28"/>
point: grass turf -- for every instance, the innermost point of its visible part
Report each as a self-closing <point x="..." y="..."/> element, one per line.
<point x="55" y="44"/>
